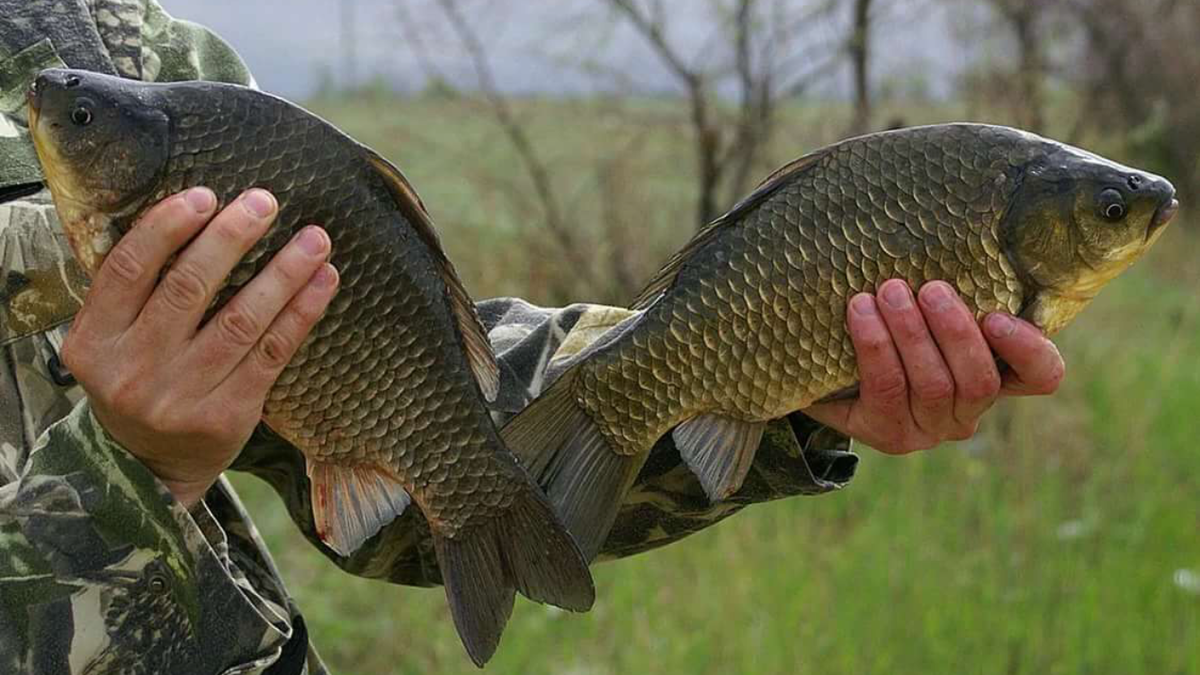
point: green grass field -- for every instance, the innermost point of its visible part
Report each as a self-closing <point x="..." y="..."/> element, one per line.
<point x="1059" y="540"/>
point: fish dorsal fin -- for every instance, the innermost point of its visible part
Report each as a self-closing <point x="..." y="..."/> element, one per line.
<point x="666" y="276"/>
<point x="475" y="341"/>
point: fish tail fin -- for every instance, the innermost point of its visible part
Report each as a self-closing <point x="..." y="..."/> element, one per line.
<point x="523" y="548"/>
<point x="561" y="447"/>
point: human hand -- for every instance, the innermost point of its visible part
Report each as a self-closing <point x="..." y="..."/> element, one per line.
<point x="183" y="398"/>
<point x="929" y="372"/>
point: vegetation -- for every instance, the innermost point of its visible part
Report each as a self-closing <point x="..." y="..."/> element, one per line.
<point x="1062" y="539"/>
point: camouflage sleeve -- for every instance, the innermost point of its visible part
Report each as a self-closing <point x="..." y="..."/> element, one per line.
<point x="101" y="570"/>
<point x="797" y="456"/>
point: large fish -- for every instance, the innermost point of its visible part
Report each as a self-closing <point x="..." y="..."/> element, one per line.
<point x="386" y="398"/>
<point x="747" y="323"/>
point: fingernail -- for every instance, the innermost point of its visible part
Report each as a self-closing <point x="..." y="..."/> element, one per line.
<point x="1000" y="325"/>
<point x="863" y="304"/>
<point x="202" y="200"/>
<point x="937" y="296"/>
<point x="312" y="241"/>
<point x="897" y="295"/>
<point x="259" y="203"/>
<point x="325" y="277"/>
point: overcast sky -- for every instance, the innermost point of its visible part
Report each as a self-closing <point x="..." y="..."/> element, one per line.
<point x="534" y="45"/>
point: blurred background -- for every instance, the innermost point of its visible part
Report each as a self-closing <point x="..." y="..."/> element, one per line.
<point x="567" y="148"/>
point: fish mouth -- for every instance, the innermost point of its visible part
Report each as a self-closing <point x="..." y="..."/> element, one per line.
<point x="1162" y="216"/>
<point x="33" y="96"/>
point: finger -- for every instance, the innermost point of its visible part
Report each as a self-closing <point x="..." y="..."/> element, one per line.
<point x="961" y="343"/>
<point x="229" y="336"/>
<point x="1036" y="367"/>
<point x="261" y="367"/>
<point x="882" y="416"/>
<point x="131" y="268"/>
<point x="180" y="299"/>
<point x="930" y="386"/>
<point x="834" y="414"/>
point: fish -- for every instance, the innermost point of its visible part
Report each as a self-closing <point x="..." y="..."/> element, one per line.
<point x="747" y="322"/>
<point x="387" y="397"/>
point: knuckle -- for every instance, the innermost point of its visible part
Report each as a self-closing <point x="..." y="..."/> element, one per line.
<point x="887" y="386"/>
<point x="123" y="265"/>
<point x="184" y="288"/>
<point x="125" y="398"/>
<point x="874" y="344"/>
<point x="983" y="388"/>
<point x="305" y="314"/>
<point x="964" y="432"/>
<point x="239" y="326"/>
<point x="74" y="355"/>
<point x="235" y="229"/>
<point x="910" y="329"/>
<point x="273" y="351"/>
<point x="934" y="389"/>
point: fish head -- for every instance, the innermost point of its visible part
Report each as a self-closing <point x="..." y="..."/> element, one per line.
<point x="1076" y="221"/>
<point x="103" y="145"/>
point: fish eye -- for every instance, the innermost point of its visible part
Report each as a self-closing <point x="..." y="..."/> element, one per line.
<point x="81" y="116"/>
<point x="1112" y="205"/>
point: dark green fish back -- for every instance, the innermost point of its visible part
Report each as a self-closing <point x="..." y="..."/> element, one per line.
<point x="383" y="397"/>
<point x="747" y="323"/>
<point x="390" y="329"/>
<point x="754" y="312"/>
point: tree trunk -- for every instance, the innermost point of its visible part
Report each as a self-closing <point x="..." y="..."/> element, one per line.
<point x="860" y="55"/>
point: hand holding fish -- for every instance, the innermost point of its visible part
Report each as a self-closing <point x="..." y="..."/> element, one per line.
<point x="183" y="398"/>
<point x="928" y="370"/>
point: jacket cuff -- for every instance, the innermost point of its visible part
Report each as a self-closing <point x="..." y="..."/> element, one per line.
<point x="92" y="511"/>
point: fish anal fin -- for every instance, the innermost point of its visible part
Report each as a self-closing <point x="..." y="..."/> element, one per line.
<point x="562" y="448"/>
<point x="719" y="450"/>
<point x="480" y="355"/>
<point x="352" y="503"/>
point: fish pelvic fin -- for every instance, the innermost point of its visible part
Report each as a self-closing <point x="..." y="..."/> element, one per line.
<point x="584" y="477"/>
<point x="351" y="503"/>
<point x="524" y="548"/>
<point x="719" y="450"/>
<point x="479" y="352"/>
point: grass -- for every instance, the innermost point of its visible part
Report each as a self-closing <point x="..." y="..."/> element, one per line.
<point x="1047" y="544"/>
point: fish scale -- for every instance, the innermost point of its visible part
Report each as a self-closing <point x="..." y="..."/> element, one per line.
<point x="387" y="397"/>
<point x="747" y="324"/>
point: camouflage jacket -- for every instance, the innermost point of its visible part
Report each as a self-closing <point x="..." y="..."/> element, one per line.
<point x="101" y="571"/>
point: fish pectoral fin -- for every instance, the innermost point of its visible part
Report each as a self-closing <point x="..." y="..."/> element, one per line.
<point x="719" y="450"/>
<point x="478" y="349"/>
<point x="352" y="503"/>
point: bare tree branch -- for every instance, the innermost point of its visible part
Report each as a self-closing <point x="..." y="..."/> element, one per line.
<point x="534" y="166"/>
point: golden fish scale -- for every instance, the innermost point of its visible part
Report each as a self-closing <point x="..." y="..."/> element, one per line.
<point x="754" y="326"/>
<point x="377" y="380"/>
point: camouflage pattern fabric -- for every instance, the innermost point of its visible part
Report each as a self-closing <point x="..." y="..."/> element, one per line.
<point x="101" y="571"/>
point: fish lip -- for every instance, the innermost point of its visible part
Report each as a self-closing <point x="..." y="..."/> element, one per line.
<point x="1162" y="216"/>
